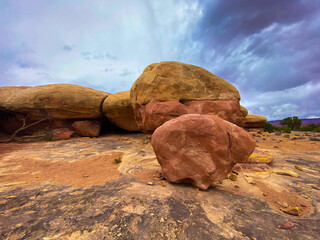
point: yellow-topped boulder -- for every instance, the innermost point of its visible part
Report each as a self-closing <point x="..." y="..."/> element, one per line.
<point x="167" y="81"/>
<point x="254" y="121"/>
<point x="118" y="109"/>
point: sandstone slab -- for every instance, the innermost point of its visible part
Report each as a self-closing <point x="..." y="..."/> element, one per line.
<point x="57" y="101"/>
<point x="118" y="109"/>
<point x="200" y="149"/>
<point x="254" y="121"/>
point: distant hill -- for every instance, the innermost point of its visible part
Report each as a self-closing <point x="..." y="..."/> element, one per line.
<point x="304" y="121"/>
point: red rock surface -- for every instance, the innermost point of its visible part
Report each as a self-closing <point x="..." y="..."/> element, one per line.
<point x="154" y="114"/>
<point x="61" y="134"/>
<point x="87" y="128"/>
<point x="200" y="149"/>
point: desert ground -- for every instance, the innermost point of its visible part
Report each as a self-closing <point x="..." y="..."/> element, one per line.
<point x="77" y="189"/>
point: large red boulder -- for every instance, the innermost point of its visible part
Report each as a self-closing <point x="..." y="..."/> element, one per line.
<point x="200" y="149"/>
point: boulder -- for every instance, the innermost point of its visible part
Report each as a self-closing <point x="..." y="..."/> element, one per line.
<point x="200" y="149"/>
<point x="87" y="128"/>
<point x="254" y="121"/>
<point x="118" y="109"/>
<point x="60" y="134"/>
<point x="180" y="83"/>
<point x="57" y="101"/>
<point x="244" y="111"/>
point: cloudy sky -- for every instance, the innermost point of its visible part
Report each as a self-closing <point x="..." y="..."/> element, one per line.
<point x="269" y="49"/>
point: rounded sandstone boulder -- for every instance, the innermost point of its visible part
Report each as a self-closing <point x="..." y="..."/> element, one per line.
<point x="200" y="149"/>
<point x="118" y="109"/>
<point x="166" y="81"/>
<point x="254" y="121"/>
<point x="57" y="101"/>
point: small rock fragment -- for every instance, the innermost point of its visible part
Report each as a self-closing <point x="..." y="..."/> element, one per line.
<point x="295" y="211"/>
<point x="150" y="183"/>
<point x="298" y="168"/>
<point x="233" y="176"/>
<point x="285" y="172"/>
<point x="287" y="225"/>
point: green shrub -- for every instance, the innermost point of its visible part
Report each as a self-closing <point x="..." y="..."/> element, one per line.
<point x="286" y="130"/>
<point x="312" y="127"/>
<point x="268" y="127"/>
<point x="117" y="160"/>
<point x="291" y="122"/>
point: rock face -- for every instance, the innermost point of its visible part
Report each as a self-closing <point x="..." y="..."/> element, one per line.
<point x="87" y="128"/>
<point x="254" y="121"/>
<point x="58" y="101"/>
<point x="181" y="83"/>
<point x="200" y="149"/>
<point x="154" y="114"/>
<point x="118" y="109"/>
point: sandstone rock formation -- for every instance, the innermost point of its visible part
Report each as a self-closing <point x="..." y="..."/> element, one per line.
<point x="244" y="111"/>
<point x="200" y="149"/>
<point x="57" y="101"/>
<point x="118" y="109"/>
<point x="7" y="92"/>
<point x="87" y="128"/>
<point x="254" y="121"/>
<point x="181" y="83"/>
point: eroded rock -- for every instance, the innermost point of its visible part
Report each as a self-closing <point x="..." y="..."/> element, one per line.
<point x="200" y="149"/>
<point x="87" y="128"/>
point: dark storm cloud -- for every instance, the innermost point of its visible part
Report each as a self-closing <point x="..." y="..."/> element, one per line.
<point x="266" y="48"/>
<point x="273" y="39"/>
<point x="226" y="20"/>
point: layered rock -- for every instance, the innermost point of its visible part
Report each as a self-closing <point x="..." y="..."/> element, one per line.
<point x="57" y="101"/>
<point x="87" y="128"/>
<point x="200" y="149"/>
<point x="179" y="83"/>
<point x="118" y="109"/>
<point x="254" y="121"/>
